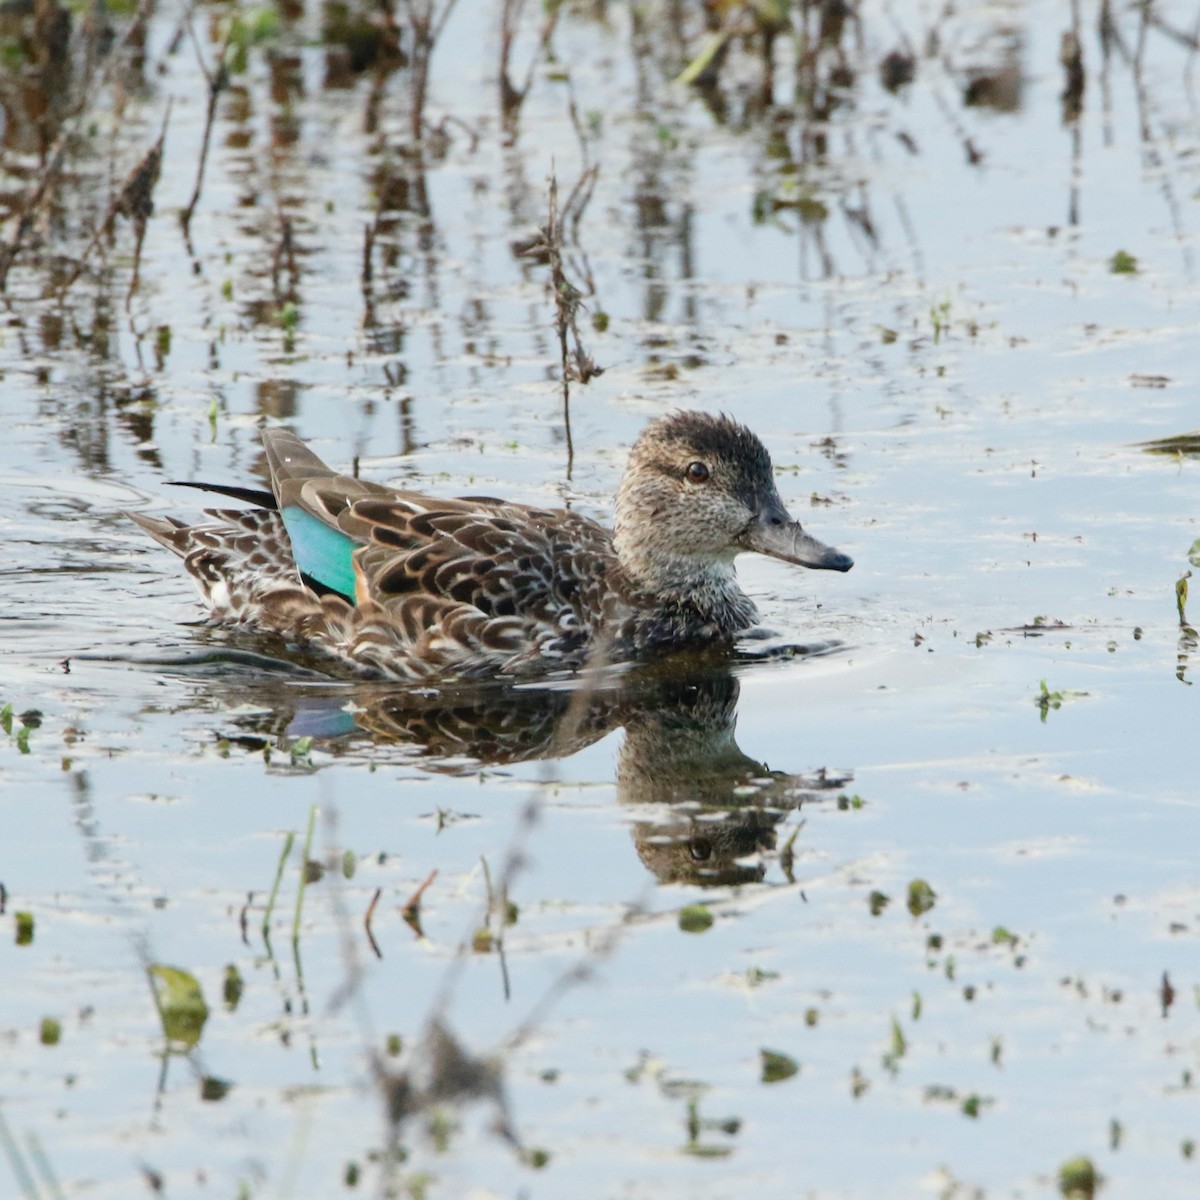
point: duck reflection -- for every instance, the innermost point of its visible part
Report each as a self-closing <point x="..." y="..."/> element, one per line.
<point x="712" y="809"/>
<point x="706" y="812"/>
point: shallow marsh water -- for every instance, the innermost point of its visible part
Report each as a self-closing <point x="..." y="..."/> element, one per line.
<point x="912" y="300"/>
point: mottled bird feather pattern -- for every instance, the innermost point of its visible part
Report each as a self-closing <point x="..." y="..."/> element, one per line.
<point x="410" y="586"/>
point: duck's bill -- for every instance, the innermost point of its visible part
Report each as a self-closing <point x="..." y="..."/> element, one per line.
<point x="789" y="542"/>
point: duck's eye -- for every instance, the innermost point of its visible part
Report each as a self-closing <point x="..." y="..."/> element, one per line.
<point x="698" y="472"/>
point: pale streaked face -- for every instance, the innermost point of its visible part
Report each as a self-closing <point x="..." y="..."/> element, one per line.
<point x="698" y="491"/>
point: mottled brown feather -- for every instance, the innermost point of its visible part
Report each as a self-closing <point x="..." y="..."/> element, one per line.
<point x="476" y="585"/>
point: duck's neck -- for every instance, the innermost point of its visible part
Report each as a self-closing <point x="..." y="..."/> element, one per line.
<point x="683" y="598"/>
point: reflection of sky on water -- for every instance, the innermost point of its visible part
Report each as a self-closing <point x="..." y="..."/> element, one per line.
<point x="983" y="472"/>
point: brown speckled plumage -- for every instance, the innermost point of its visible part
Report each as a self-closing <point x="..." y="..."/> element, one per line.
<point x="476" y="586"/>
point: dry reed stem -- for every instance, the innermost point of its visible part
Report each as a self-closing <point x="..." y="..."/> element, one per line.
<point x="95" y="79"/>
<point x="218" y="81"/>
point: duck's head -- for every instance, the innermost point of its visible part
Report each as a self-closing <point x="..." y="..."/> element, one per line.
<point x="698" y="491"/>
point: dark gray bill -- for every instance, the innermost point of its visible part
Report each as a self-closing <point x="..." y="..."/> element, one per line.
<point x="773" y="532"/>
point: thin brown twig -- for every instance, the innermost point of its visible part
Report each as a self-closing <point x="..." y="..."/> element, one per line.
<point x="244" y="919"/>
<point x="367" y="917"/>
<point x="575" y="362"/>
<point x="411" y="912"/>
<point x="134" y="200"/>
<point x="425" y="27"/>
<point x="1189" y="40"/>
<point x="566" y="301"/>
<point x="284" y="258"/>
<point x="218" y="81"/>
<point x="511" y="96"/>
<point x="1143" y="29"/>
<point x="497" y="906"/>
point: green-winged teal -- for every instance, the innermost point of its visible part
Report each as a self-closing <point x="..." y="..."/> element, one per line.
<point x="410" y="586"/>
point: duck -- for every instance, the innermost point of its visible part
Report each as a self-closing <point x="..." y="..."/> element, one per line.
<point x="406" y="586"/>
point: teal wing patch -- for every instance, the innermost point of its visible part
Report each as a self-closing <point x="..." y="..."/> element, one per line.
<point x="322" y="553"/>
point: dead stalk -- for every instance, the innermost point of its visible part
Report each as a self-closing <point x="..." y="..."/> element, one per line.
<point x="135" y="201"/>
<point x="367" y="919"/>
<point x="575" y="363"/>
<point x="284" y="259"/>
<point x="425" y="24"/>
<point x="511" y="96"/>
<point x="411" y="912"/>
<point x="218" y="81"/>
<point x="95" y="80"/>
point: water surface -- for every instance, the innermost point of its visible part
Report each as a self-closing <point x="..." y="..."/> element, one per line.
<point x="912" y="299"/>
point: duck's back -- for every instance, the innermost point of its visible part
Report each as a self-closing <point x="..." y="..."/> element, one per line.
<point x="509" y="584"/>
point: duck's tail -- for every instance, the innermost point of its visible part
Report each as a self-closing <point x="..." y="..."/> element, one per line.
<point x="241" y="561"/>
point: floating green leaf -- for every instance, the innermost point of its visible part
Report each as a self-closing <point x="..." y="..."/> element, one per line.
<point x="288" y="316"/>
<point x="1078" y="1178"/>
<point x="1123" y="263"/>
<point x="757" y="976"/>
<point x="233" y="987"/>
<point x="897" y="1048"/>
<point x="777" y="1067"/>
<point x="24" y="921"/>
<point x="1048" y="701"/>
<point x="180" y="1002"/>
<point x="50" y="1032"/>
<point x="695" y="918"/>
<point x="212" y="1088"/>
<point x="921" y="897"/>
